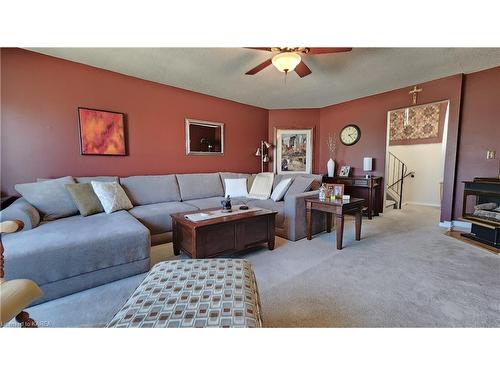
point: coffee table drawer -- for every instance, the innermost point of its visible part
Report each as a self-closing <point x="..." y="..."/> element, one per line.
<point x="215" y="239"/>
<point x="252" y="231"/>
<point x="223" y="235"/>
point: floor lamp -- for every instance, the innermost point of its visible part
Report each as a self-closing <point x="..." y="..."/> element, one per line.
<point x="263" y="152"/>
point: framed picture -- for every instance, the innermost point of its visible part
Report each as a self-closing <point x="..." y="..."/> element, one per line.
<point x="344" y="171"/>
<point x="204" y="137"/>
<point x="294" y="151"/>
<point x="101" y="132"/>
<point x="335" y="189"/>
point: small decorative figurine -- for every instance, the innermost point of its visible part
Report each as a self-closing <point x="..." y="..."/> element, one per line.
<point x="226" y="204"/>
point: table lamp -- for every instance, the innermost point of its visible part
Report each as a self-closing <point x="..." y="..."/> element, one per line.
<point x="367" y="165"/>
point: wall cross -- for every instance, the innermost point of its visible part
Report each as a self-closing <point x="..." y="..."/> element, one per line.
<point x="414" y="92"/>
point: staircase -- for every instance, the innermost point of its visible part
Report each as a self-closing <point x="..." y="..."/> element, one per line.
<point x="397" y="172"/>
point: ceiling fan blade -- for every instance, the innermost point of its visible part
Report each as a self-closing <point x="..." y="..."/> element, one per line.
<point x="259" y="67"/>
<point x="261" y="48"/>
<point x="302" y="70"/>
<point x="322" y="50"/>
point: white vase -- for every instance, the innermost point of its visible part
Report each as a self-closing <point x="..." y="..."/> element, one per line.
<point x="330" y="167"/>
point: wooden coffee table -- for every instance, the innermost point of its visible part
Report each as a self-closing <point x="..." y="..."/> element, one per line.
<point x="222" y="235"/>
<point x="336" y="208"/>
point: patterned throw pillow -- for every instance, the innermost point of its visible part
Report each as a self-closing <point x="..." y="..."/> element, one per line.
<point x="112" y="196"/>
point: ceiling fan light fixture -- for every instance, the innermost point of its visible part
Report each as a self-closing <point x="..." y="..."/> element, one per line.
<point x="286" y="61"/>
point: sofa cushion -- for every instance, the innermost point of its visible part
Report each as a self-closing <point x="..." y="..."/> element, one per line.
<point x="317" y="177"/>
<point x="204" y="203"/>
<point x="269" y="204"/>
<point x="151" y="189"/>
<point x="200" y="185"/>
<point x="86" y="180"/>
<point x="215" y="202"/>
<point x="50" y="197"/>
<point x="75" y="245"/>
<point x="156" y="216"/>
<point x="20" y="209"/>
<point x="299" y="185"/>
<point x="240" y="200"/>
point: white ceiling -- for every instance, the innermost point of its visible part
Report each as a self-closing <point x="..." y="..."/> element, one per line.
<point x="335" y="78"/>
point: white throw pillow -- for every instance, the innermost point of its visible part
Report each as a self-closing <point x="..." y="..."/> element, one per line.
<point x="112" y="196"/>
<point x="236" y="187"/>
<point x="262" y="186"/>
<point x="281" y="189"/>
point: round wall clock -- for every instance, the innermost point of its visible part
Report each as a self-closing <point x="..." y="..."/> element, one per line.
<point x="350" y="135"/>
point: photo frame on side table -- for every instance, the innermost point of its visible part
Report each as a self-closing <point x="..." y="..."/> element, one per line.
<point x="294" y="151"/>
<point x="344" y="171"/>
<point x="335" y="189"/>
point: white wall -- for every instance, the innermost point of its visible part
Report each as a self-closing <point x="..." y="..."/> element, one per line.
<point x="427" y="162"/>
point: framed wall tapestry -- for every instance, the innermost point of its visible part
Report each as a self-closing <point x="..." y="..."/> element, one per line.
<point x="418" y="124"/>
<point x="294" y="151"/>
<point x="101" y="132"/>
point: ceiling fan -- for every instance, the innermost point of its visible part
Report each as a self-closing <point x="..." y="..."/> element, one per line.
<point x="287" y="59"/>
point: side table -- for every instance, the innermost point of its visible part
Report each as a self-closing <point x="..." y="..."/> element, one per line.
<point x="336" y="208"/>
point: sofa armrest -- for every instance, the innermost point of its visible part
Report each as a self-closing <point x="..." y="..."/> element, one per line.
<point x="21" y="210"/>
<point x="295" y="214"/>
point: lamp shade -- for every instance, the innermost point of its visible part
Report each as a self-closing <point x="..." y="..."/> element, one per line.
<point x="286" y="61"/>
<point x="367" y="164"/>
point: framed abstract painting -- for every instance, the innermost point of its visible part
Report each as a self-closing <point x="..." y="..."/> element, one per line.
<point x="101" y="132"/>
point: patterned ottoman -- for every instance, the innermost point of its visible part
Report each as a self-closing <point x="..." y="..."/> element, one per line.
<point x="194" y="293"/>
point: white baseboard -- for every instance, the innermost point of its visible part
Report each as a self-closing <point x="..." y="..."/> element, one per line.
<point x="458" y="224"/>
<point x="446" y="224"/>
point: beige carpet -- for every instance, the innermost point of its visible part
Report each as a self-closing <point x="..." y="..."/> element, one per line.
<point x="403" y="273"/>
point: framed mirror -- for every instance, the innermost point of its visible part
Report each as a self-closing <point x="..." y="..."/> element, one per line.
<point x="204" y="137"/>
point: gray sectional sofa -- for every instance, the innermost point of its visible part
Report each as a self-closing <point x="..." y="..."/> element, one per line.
<point x="74" y="253"/>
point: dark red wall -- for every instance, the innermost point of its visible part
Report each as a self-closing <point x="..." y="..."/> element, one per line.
<point x="370" y="114"/>
<point x="480" y="130"/>
<point x="295" y="119"/>
<point x="39" y="133"/>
